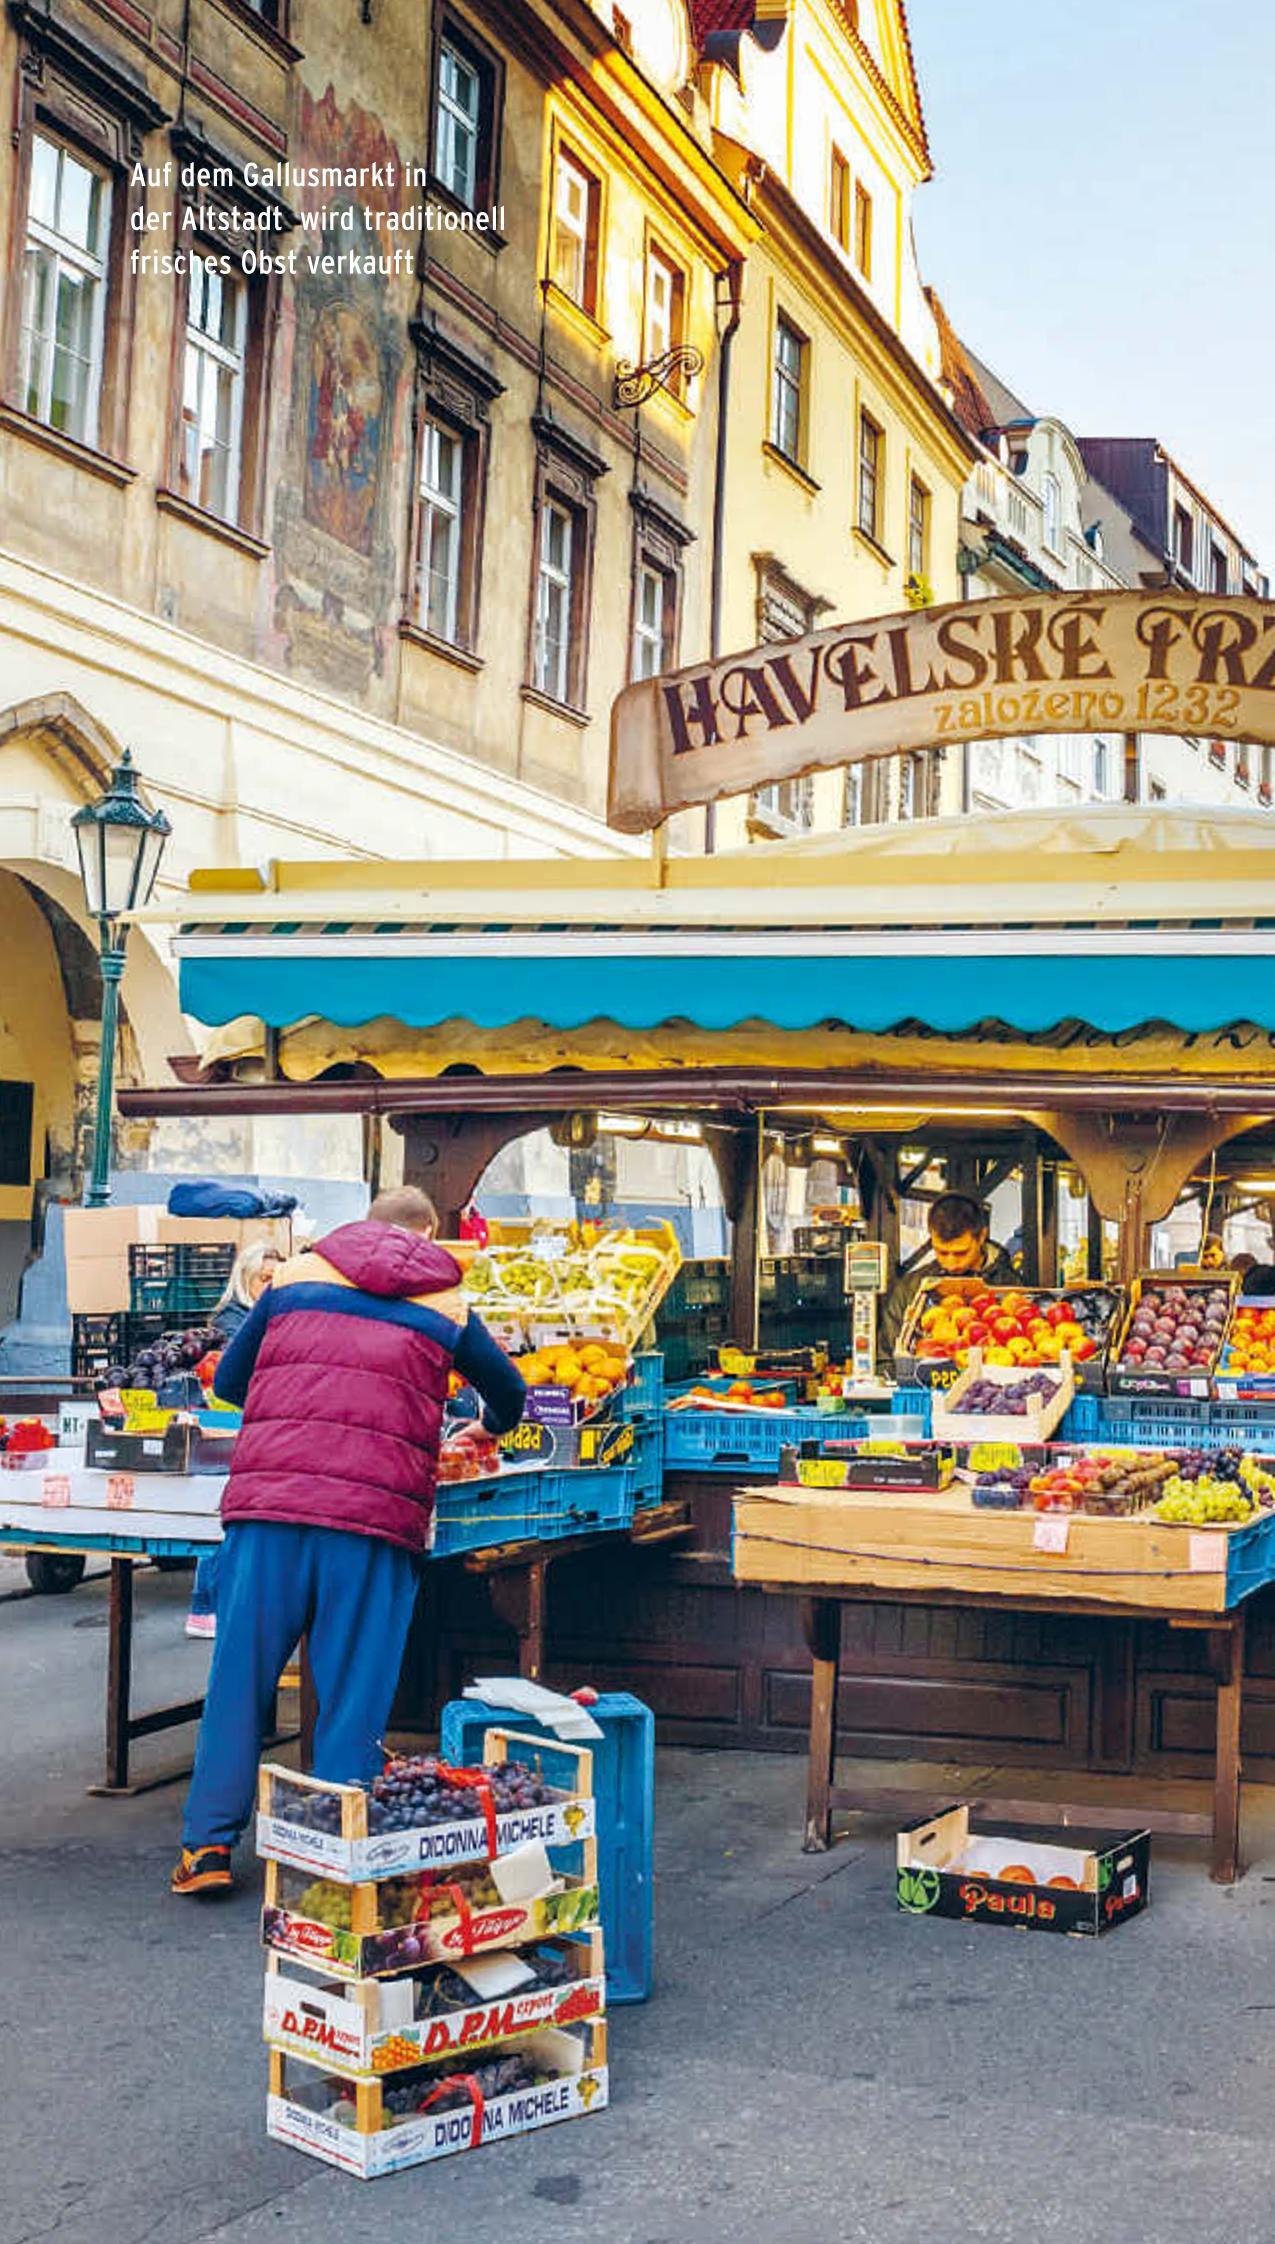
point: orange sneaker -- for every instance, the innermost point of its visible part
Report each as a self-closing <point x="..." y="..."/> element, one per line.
<point x="202" y="1870"/>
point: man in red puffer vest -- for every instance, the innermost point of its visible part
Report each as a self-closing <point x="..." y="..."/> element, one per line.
<point x="342" y="1371"/>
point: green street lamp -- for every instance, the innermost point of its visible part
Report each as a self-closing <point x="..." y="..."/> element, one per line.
<point x="120" y="843"/>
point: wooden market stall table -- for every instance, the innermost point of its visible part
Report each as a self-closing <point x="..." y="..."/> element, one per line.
<point x="62" y="1508"/>
<point x="840" y="1546"/>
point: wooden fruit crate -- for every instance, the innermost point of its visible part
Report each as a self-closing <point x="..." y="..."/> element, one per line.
<point x="347" y="2124"/>
<point x="796" y="1538"/>
<point x="354" y="1853"/>
<point x="381" y="2026"/>
<point x="951" y="1423"/>
<point x="370" y="1943"/>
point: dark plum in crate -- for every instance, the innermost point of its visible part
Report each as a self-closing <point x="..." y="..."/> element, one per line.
<point x="984" y="1398"/>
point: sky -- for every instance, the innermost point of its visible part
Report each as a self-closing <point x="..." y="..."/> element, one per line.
<point x="1101" y="227"/>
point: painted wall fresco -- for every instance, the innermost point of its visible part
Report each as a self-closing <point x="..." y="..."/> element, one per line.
<point x="345" y="360"/>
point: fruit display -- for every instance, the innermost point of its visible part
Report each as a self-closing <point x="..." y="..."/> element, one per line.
<point x="419" y="1790"/>
<point x="167" y="1358"/>
<point x="589" y="1370"/>
<point x="510" y="2042"/>
<point x="1106" y="1487"/>
<point x="27" y="1437"/>
<point x="1251" y="1348"/>
<point x="741" y="1394"/>
<point x="1176" y="1330"/>
<point x="428" y="2090"/>
<point x="984" y="1396"/>
<point x="1217" y="1488"/>
<point x="468" y="1452"/>
<point x="585" y="1283"/>
<point x="1015" y="1325"/>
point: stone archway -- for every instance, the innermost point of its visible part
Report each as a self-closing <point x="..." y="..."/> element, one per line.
<point x="54" y="756"/>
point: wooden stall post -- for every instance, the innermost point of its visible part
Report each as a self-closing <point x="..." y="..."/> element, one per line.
<point x="1228" y="1656"/>
<point x="119" y="1674"/>
<point x="821" y="1626"/>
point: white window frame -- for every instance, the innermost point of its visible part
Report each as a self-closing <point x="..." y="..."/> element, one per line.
<point x="918" y="526"/>
<point x="1051" y="492"/>
<point x="551" y="577"/>
<point x="790" y="803"/>
<point x="853" y="797"/>
<point x="863" y="226"/>
<point x="60" y="253"/>
<point x="438" y="504"/>
<point x="570" y="225"/>
<point x="869" y="475"/>
<point x="211" y="355"/>
<point x="789" y="386"/>
<point x="647" y="657"/>
<point x="457" y="130"/>
<point x="661" y="283"/>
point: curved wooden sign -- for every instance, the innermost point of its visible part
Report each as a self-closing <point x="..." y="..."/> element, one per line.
<point x="1066" y="662"/>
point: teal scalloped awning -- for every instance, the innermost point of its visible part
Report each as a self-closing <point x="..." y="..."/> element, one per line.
<point x="1111" y="990"/>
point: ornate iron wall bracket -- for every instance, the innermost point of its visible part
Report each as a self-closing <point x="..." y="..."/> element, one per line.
<point x="633" y="385"/>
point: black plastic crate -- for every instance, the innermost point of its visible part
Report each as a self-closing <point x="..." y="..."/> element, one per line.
<point x="97" y="1338"/>
<point x="179" y="1281"/>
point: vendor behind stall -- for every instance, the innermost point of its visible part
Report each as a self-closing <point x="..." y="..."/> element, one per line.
<point x="960" y="1247"/>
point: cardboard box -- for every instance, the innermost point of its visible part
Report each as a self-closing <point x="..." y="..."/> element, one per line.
<point x="349" y="2128"/>
<point x="868" y="1465"/>
<point x="385" y="2025"/>
<point x="945" y="1868"/>
<point x="98" y="1240"/>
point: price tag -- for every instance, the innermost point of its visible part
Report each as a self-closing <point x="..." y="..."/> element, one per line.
<point x="1051" y="1532"/>
<point x="1206" y="1554"/>
<point x="120" y="1490"/>
<point x="142" y="1414"/>
<point x="110" y="1402"/>
<point x="821" y="1472"/>
<point x="994" y="1457"/>
<point x="56" y="1491"/>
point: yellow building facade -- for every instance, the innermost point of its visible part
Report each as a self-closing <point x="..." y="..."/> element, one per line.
<point x="846" y="463"/>
<point x="354" y="548"/>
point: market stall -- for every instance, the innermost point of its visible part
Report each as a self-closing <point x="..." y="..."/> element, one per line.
<point x="1088" y="991"/>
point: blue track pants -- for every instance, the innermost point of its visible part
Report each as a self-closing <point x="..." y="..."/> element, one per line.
<point x="353" y="1595"/>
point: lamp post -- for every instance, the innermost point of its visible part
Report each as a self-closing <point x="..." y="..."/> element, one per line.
<point x="120" y="843"/>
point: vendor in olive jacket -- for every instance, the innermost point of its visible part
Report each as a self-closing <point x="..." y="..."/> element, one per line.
<point x="960" y="1247"/>
<point x="342" y="1369"/>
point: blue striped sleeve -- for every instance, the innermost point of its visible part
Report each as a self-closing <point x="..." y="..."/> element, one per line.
<point x="483" y="1362"/>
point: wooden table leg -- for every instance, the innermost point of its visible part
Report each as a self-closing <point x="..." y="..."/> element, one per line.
<point x="1116" y="1687"/>
<point x="518" y="1598"/>
<point x="119" y="1673"/>
<point x="1229" y="1645"/>
<point x="531" y="1644"/>
<point x="821" y="1625"/>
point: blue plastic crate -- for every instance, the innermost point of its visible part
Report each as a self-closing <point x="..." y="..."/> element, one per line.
<point x="646" y="1465"/>
<point x="1250" y="1558"/>
<point x="1248" y="1422"/>
<point x="624" y="1786"/>
<point x="1084" y="1419"/>
<point x="473" y="1515"/>
<point x="644" y="1398"/>
<point x="709" y="1441"/>
<point x="584" y="1502"/>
